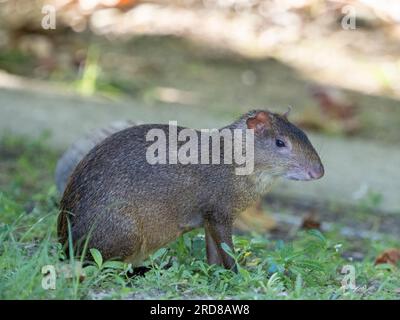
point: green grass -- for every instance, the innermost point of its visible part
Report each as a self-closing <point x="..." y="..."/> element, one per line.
<point x="306" y="267"/>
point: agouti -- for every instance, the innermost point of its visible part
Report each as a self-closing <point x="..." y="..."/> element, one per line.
<point x="127" y="207"/>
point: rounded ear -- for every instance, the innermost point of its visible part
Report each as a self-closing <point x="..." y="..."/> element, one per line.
<point x="260" y="122"/>
<point x="286" y="114"/>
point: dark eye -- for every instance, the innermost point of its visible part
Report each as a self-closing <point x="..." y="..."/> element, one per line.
<point x="279" y="143"/>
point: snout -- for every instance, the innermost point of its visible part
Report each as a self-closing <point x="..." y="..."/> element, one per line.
<point x="306" y="173"/>
<point x="316" y="172"/>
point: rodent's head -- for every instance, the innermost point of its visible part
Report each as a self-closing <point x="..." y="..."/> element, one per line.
<point x="282" y="148"/>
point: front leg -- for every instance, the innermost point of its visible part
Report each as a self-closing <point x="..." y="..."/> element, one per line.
<point x="218" y="232"/>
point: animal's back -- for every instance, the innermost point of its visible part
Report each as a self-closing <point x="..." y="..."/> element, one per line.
<point x="77" y="151"/>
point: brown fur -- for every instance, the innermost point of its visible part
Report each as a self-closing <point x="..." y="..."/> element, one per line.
<point x="127" y="208"/>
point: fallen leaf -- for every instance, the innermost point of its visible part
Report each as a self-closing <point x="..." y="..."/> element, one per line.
<point x="390" y="256"/>
<point x="334" y="103"/>
<point x="311" y="221"/>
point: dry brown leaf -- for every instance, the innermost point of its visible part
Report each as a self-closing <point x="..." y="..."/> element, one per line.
<point x="390" y="256"/>
<point x="311" y="221"/>
<point x="334" y="103"/>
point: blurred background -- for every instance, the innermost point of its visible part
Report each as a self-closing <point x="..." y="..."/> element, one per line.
<point x="69" y="66"/>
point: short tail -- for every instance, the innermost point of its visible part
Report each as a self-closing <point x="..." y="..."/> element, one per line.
<point x="77" y="151"/>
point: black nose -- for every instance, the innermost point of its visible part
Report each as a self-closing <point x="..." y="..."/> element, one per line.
<point x="316" y="172"/>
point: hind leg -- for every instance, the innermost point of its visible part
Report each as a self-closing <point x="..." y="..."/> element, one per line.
<point x="211" y="249"/>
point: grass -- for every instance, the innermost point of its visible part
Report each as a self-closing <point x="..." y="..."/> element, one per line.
<point x="307" y="267"/>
